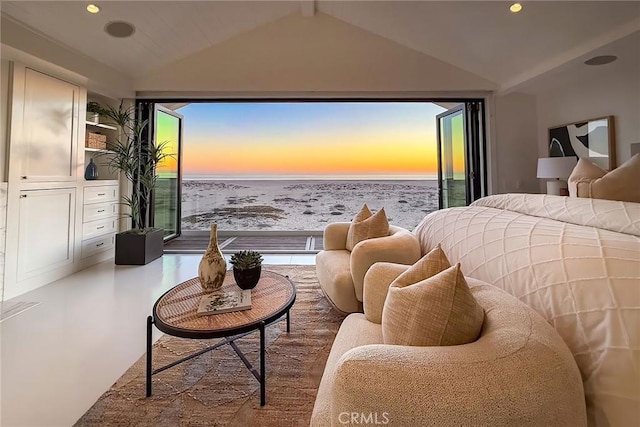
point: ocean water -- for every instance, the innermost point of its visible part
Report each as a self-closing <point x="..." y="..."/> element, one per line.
<point x="309" y="205"/>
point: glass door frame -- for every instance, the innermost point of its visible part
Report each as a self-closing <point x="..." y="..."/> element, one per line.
<point x="473" y="114"/>
<point x="440" y="152"/>
<point x="476" y="150"/>
<point x="148" y="110"/>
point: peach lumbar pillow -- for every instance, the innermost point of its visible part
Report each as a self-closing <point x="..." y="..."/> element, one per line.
<point x="366" y="225"/>
<point x="437" y="310"/>
<point x="589" y="180"/>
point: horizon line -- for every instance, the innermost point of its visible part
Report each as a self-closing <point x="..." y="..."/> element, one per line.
<point x="210" y="177"/>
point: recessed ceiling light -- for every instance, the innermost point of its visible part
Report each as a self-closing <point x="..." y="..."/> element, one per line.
<point x="515" y="8"/>
<point x="601" y="60"/>
<point x="119" y="29"/>
<point x="92" y="8"/>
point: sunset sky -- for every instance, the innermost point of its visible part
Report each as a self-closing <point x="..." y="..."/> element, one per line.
<point x="168" y="131"/>
<point x="321" y="139"/>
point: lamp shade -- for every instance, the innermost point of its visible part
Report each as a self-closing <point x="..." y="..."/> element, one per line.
<point x="556" y="167"/>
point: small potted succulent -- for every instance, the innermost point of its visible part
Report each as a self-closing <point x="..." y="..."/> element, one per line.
<point x="247" y="266"/>
<point x="94" y="110"/>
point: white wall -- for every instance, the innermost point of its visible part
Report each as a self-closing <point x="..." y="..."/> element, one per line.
<point x="3" y="226"/>
<point x="515" y="151"/>
<point x="4" y="114"/>
<point x="4" y="110"/>
<point x="98" y="77"/>
<point x="612" y="89"/>
<point x="316" y="54"/>
<point x="521" y="121"/>
<point x="572" y="92"/>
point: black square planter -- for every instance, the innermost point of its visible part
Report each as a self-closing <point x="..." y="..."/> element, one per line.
<point x="139" y="249"/>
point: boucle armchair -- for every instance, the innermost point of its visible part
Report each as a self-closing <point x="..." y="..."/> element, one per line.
<point x="519" y="372"/>
<point x="341" y="272"/>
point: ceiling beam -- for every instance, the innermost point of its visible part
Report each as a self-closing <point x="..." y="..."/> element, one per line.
<point x="308" y="8"/>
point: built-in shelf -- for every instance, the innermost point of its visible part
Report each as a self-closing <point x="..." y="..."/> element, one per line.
<point x="101" y="125"/>
<point x="97" y="150"/>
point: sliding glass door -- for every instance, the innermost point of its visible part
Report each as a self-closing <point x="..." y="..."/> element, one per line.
<point x="166" y="212"/>
<point x="461" y="161"/>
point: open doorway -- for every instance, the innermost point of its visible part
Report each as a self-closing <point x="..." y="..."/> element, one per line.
<point x="291" y="167"/>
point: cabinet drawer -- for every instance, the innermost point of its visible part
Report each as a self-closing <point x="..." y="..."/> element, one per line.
<point x="98" y="228"/>
<point x="93" y="246"/>
<point x="100" y="194"/>
<point x="99" y="211"/>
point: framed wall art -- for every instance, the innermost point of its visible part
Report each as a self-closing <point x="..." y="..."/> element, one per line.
<point x="592" y="139"/>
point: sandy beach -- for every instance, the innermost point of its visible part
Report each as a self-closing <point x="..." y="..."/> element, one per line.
<point x="301" y="205"/>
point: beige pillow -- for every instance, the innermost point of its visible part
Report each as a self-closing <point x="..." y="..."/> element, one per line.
<point x="589" y="180"/>
<point x="439" y="310"/>
<point x="367" y="226"/>
<point x="429" y="265"/>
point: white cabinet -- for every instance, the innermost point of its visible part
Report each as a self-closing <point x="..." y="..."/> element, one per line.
<point x="46" y="144"/>
<point x="100" y="218"/>
<point x="45" y="230"/>
<point x="57" y="222"/>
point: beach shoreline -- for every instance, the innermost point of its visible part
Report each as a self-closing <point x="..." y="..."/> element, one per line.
<point x="302" y="204"/>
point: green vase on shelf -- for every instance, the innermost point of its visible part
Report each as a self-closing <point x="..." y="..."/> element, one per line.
<point x="91" y="172"/>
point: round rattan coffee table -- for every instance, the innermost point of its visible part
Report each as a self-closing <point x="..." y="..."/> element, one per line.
<point x="175" y="313"/>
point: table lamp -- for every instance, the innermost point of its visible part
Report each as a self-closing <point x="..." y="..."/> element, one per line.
<point x="556" y="170"/>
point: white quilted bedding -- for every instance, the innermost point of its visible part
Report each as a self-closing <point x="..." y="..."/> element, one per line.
<point x="575" y="261"/>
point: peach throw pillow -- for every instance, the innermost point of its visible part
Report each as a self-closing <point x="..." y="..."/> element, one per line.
<point x="436" y="310"/>
<point x="429" y="265"/>
<point x="589" y="180"/>
<point x="367" y="226"/>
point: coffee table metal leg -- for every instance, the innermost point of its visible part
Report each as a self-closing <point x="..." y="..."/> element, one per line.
<point x="263" y="371"/>
<point x="149" y="372"/>
<point x="288" y="321"/>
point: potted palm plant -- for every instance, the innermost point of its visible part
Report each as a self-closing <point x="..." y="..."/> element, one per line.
<point x="136" y="158"/>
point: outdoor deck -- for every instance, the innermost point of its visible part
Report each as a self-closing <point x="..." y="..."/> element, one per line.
<point x="263" y="242"/>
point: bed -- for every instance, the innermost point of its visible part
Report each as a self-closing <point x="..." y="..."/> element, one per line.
<point x="574" y="260"/>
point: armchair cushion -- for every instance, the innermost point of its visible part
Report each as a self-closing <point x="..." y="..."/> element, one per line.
<point x="439" y="310"/>
<point x="334" y="236"/>
<point x="332" y="268"/>
<point x="367" y="226"/>
<point x="400" y="246"/>
<point x="376" y="287"/>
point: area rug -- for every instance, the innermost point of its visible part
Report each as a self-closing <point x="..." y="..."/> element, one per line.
<point x="216" y="389"/>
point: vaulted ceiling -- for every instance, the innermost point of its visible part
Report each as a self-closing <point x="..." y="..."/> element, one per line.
<point x="480" y="37"/>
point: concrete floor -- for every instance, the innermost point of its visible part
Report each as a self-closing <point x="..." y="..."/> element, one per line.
<point x="58" y="357"/>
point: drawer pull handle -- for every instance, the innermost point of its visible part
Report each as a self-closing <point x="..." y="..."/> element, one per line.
<point x="100" y="210"/>
<point x="99" y="244"/>
<point x="102" y="194"/>
<point x="99" y="228"/>
<point x="23" y="196"/>
<point x="23" y="177"/>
